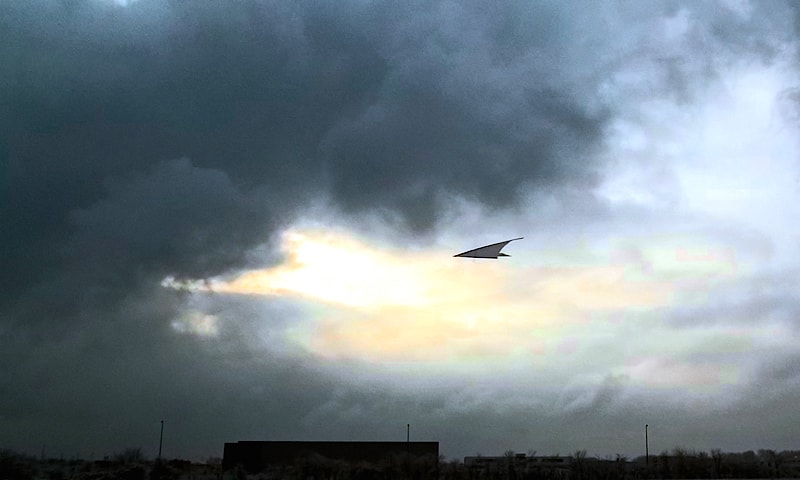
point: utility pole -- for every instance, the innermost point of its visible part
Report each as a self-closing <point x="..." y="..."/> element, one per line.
<point x="408" y="438"/>
<point x="407" y="466"/>
<point x="160" y="441"/>
<point x="646" y="451"/>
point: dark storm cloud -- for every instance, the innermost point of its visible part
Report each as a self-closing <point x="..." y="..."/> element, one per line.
<point x="482" y="107"/>
<point x="174" y="217"/>
<point x="103" y="384"/>
<point x="384" y="109"/>
<point x="170" y="138"/>
<point x="382" y="106"/>
<point x="271" y="107"/>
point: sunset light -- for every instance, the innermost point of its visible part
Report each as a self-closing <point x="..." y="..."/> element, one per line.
<point x="386" y="304"/>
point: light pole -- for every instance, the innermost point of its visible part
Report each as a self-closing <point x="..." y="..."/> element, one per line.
<point x="646" y="451"/>
<point x="160" y="440"/>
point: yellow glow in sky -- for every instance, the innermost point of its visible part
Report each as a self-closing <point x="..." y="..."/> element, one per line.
<point x="338" y="270"/>
<point x="390" y="305"/>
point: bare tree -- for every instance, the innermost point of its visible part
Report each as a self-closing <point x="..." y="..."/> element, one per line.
<point x="770" y="461"/>
<point x="622" y="466"/>
<point x="703" y="462"/>
<point x="664" y="464"/>
<point x="579" y="464"/>
<point x="679" y="454"/>
<point x="130" y="455"/>
<point x="716" y="462"/>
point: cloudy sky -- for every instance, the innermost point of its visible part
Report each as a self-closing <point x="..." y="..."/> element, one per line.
<point x="239" y="217"/>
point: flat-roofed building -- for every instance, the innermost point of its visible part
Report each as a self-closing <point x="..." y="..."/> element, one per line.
<point x="256" y="456"/>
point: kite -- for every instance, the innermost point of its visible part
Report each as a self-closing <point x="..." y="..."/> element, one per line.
<point x="488" y="251"/>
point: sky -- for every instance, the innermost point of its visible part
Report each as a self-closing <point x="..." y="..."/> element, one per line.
<point x="240" y="218"/>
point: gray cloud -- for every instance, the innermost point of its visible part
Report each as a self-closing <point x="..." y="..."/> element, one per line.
<point x="175" y="217"/>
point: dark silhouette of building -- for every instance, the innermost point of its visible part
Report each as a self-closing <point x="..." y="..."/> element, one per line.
<point x="256" y="456"/>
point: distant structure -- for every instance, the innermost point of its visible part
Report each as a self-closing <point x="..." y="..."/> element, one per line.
<point x="551" y="467"/>
<point x="552" y="461"/>
<point x="257" y="456"/>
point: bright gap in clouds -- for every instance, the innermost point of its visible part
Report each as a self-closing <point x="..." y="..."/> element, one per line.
<point x="339" y="270"/>
<point x="119" y="3"/>
<point x="389" y="306"/>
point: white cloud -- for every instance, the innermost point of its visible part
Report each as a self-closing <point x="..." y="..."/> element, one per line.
<point x="197" y="323"/>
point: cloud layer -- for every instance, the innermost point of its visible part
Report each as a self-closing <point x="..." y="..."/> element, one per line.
<point x="651" y="148"/>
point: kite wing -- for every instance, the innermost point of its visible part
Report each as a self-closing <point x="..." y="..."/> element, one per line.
<point x="488" y="251"/>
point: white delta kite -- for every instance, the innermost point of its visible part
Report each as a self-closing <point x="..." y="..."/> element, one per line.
<point x="488" y="251"/>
